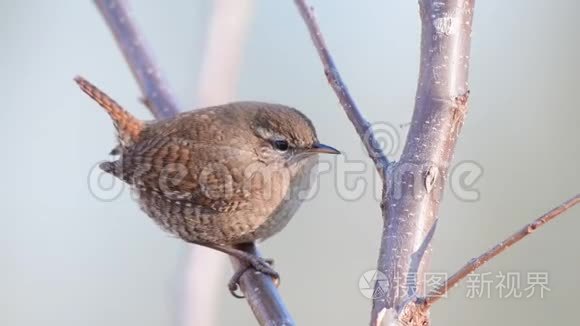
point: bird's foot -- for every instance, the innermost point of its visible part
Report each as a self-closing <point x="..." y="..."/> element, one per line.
<point x="247" y="261"/>
<point x="262" y="265"/>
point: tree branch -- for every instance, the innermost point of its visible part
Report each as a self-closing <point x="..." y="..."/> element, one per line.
<point x="259" y="289"/>
<point x="413" y="194"/>
<point x="157" y="96"/>
<point x="475" y="263"/>
<point x="361" y="125"/>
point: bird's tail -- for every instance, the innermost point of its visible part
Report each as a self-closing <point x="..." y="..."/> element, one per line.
<point x="128" y="127"/>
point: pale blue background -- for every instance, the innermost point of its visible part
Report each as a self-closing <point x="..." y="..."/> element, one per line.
<point x="68" y="259"/>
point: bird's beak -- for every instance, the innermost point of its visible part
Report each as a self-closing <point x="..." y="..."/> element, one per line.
<point x="323" y="149"/>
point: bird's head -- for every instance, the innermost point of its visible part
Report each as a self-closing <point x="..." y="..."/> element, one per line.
<point x="286" y="135"/>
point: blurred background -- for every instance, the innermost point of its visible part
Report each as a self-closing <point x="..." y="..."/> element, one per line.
<point x="68" y="257"/>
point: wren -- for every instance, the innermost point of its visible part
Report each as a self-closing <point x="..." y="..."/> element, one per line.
<point x="218" y="176"/>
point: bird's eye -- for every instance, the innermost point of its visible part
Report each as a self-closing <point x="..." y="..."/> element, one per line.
<point x="281" y="145"/>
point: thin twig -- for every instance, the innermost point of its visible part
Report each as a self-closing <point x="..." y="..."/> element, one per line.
<point x="475" y="263"/>
<point x="157" y="96"/>
<point x="362" y="126"/>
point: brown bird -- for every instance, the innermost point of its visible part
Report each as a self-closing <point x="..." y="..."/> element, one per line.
<point x="217" y="176"/>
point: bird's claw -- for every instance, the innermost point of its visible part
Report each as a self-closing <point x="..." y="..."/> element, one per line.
<point x="259" y="264"/>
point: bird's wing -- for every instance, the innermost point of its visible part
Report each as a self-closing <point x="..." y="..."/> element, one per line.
<point x="206" y="175"/>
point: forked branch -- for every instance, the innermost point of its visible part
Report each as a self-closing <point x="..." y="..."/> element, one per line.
<point x="413" y="186"/>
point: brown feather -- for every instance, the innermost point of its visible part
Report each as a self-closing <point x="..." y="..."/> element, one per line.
<point x="128" y="127"/>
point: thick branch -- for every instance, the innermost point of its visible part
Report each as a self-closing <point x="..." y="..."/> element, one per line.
<point x="363" y="128"/>
<point x="262" y="295"/>
<point x="475" y="263"/>
<point x="156" y="93"/>
<point x="414" y="184"/>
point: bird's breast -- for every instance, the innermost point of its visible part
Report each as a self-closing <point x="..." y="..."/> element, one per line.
<point x="290" y="194"/>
